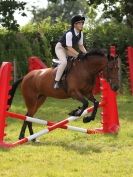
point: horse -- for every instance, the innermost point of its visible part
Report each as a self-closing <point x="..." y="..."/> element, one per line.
<point x="37" y="85"/>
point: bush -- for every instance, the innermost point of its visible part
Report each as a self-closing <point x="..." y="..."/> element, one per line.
<point x="53" y="32"/>
<point x="110" y="33"/>
<point x="15" y="46"/>
<point x="40" y="39"/>
<point x="20" y="46"/>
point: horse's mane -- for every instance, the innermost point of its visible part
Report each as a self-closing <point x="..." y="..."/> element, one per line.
<point x="95" y="52"/>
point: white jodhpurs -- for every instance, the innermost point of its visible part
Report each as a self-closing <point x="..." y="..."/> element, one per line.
<point x="62" y="56"/>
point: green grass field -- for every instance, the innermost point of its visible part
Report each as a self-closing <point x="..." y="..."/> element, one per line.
<point x="63" y="153"/>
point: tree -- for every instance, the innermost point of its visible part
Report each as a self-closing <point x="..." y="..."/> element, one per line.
<point x="64" y="10"/>
<point x="7" y="10"/>
<point x="120" y="10"/>
<point x="62" y="1"/>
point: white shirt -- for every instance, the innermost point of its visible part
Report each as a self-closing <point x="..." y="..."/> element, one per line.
<point x="69" y="38"/>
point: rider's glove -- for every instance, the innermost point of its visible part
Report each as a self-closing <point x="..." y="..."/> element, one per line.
<point x="81" y="56"/>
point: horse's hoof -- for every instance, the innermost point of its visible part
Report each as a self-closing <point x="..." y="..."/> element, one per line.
<point x="73" y="113"/>
<point x="79" y="112"/>
<point x="21" y="137"/>
<point x="35" y="141"/>
<point x="87" y="119"/>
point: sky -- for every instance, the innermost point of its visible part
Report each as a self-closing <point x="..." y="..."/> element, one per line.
<point x="24" y="20"/>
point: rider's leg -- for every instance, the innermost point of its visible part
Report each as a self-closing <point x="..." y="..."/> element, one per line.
<point x="61" y="54"/>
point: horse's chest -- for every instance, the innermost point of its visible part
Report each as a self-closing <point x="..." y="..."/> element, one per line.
<point x="86" y="89"/>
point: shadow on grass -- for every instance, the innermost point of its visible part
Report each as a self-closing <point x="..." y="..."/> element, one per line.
<point x="78" y="147"/>
<point x="81" y="145"/>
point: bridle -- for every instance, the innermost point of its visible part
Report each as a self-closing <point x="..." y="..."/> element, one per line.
<point x="112" y="64"/>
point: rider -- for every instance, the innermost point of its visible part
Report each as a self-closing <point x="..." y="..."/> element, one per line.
<point x="67" y="46"/>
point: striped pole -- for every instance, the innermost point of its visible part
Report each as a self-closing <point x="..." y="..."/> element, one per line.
<point x="44" y="122"/>
<point x="39" y="121"/>
<point x="52" y="125"/>
<point x="43" y="132"/>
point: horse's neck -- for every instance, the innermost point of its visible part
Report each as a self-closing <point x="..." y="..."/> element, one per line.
<point x="81" y="70"/>
<point x="96" y="64"/>
<point x="90" y="70"/>
<point x="90" y="67"/>
<point x="87" y="69"/>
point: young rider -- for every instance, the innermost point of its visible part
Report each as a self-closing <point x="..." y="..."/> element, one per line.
<point x="67" y="46"/>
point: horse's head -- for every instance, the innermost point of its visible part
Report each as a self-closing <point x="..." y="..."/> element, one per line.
<point x="111" y="73"/>
<point x="98" y="61"/>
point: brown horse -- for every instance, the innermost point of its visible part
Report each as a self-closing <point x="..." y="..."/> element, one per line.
<point x="37" y="85"/>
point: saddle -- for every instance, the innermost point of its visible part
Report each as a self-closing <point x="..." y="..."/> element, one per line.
<point x="63" y="82"/>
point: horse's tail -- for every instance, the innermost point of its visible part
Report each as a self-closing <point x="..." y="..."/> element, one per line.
<point x="13" y="90"/>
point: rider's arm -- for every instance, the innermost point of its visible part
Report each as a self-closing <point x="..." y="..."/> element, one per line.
<point x="69" y="45"/>
<point x="72" y="51"/>
<point x="82" y="48"/>
<point x="80" y="44"/>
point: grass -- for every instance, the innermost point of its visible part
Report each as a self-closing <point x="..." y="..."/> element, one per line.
<point x="64" y="153"/>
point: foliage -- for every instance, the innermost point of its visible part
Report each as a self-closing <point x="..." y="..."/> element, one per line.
<point x="97" y="34"/>
<point x="53" y="31"/>
<point x="60" y="1"/>
<point x="20" y="46"/>
<point x="120" y="10"/>
<point x="39" y="45"/>
<point x="63" y="10"/>
<point x="15" y="47"/>
<point x="103" y="35"/>
<point x="41" y="37"/>
<point x="7" y="10"/>
<point x="111" y="33"/>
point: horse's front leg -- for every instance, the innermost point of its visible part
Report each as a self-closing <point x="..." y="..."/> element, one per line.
<point x="78" y="96"/>
<point x="93" y="114"/>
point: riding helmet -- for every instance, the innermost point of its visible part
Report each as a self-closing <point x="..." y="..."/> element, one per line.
<point x="77" y="18"/>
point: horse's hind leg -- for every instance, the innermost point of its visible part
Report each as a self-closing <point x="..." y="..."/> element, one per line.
<point x="32" y="109"/>
<point x="23" y="129"/>
<point x="22" y="132"/>
<point x="40" y="101"/>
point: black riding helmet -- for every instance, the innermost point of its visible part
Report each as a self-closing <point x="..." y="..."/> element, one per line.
<point x="76" y="19"/>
